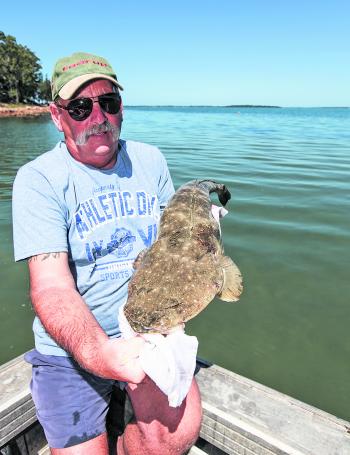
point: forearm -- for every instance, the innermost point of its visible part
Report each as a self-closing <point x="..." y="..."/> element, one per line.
<point x="69" y="321"/>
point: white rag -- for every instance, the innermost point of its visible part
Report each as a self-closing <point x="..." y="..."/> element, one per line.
<point x="168" y="360"/>
<point x="218" y="212"/>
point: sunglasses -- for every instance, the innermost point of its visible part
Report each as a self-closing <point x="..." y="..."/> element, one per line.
<point x="80" y="108"/>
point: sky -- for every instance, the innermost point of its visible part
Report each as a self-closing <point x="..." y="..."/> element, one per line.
<point x="199" y="52"/>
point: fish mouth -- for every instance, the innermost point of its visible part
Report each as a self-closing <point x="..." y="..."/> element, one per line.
<point x="164" y="332"/>
<point x="139" y="328"/>
<point x="150" y="329"/>
<point x="146" y="329"/>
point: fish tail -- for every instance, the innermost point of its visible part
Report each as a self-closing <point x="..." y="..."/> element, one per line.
<point x="214" y="187"/>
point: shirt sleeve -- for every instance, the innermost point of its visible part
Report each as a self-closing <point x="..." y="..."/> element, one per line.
<point x="39" y="224"/>
<point x="165" y="185"/>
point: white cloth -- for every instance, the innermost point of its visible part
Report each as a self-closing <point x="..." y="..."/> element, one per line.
<point x="169" y="360"/>
<point x="218" y="212"/>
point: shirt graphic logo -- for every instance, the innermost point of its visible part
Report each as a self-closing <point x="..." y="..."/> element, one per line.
<point x="122" y="242"/>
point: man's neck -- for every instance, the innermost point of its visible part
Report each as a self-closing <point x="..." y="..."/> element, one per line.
<point x="110" y="164"/>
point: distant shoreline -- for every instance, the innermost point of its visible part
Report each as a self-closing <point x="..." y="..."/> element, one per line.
<point x="23" y="110"/>
<point x="27" y="110"/>
<point x="253" y="106"/>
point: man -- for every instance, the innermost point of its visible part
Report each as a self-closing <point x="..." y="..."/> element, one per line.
<point x="81" y="214"/>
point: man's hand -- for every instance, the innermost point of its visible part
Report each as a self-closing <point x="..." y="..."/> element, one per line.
<point x="120" y="359"/>
<point x="169" y="360"/>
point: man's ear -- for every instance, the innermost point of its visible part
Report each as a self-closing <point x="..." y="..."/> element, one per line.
<point x="56" y="116"/>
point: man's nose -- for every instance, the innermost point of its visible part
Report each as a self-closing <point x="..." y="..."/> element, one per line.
<point x="98" y="114"/>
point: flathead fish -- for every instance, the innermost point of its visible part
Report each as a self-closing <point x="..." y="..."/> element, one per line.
<point x="185" y="268"/>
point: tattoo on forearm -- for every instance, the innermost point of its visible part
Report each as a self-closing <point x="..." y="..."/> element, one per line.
<point x="53" y="255"/>
<point x="45" y="256"/>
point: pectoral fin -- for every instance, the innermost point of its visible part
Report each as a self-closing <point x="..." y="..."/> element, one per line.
<point x="139" y="259"/>
<point x="232" y="285"/>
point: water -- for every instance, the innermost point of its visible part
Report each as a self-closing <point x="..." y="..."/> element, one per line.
<point x="288" y="229"/>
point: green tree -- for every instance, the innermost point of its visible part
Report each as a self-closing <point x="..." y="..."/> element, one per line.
<point x="19" y="71"/>
<point x="44" y="92"/>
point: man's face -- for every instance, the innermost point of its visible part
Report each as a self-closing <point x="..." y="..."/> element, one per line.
<point x="94" y="140"/>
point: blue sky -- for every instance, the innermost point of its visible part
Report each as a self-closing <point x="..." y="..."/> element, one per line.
<point x="218" y="52"/>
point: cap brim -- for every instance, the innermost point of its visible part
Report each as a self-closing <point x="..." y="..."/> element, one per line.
<point x="68" y="90"/>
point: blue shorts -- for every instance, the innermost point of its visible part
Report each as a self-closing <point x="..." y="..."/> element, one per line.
<point x="71" y="404"/>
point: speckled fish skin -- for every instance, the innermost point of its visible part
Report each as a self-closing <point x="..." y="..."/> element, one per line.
<point x="185" y="268"/>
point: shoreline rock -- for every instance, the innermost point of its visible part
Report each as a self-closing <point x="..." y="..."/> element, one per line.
<point x="23" y="111"/>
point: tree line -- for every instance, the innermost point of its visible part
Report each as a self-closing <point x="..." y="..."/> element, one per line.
<point x="21" y="79"/>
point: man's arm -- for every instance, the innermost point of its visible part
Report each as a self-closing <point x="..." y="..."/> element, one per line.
<point x="69" y="321"/>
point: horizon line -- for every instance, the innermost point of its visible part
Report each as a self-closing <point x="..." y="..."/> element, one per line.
<point x="242" y="106"/>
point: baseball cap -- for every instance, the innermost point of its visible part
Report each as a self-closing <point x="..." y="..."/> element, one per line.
<point x="72" y="72"/>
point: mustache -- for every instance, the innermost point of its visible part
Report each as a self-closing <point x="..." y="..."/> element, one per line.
<point x="98" y="128"/>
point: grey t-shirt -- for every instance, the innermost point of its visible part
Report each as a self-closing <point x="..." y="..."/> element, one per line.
<point x="102" y="218"/>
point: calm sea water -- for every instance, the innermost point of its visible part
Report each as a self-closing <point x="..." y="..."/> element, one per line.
<point x="288" y="229"/>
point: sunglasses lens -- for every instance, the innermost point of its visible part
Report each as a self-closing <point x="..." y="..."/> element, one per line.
<point x="80" y="108"/>
<point x="110" y="103"/>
